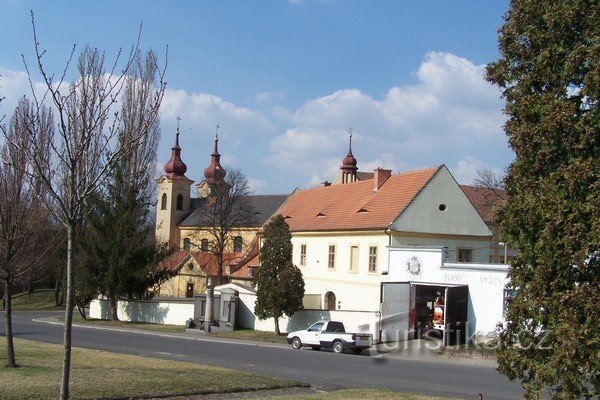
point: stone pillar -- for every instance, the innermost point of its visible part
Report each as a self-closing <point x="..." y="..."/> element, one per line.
<point x="210" y="296"/>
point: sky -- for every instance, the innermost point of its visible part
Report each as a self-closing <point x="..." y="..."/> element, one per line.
<point x="286" y="80"/>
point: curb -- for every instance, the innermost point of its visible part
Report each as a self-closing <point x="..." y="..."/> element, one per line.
<point x="187" y="335"/>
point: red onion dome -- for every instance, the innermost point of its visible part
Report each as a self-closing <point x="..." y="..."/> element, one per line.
<point x="175" y="167"/>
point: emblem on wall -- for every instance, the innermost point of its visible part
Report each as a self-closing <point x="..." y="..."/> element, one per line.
<point x="414" y="266"/>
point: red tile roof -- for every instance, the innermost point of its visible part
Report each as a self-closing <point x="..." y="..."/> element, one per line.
<point x="485" y="200"/>
<point x="353" y="205"/>
<point x="208" y="263"/>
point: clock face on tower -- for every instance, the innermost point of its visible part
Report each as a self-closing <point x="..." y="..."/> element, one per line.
<point x="203" y="189"/>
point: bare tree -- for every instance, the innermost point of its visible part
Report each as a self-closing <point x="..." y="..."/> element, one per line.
<point x="84" y="148"/>
<point x="488" y="179"/>
<point x="120" y="251"/>
<point x="24" y="223"/>
<point x="227" y="208"/>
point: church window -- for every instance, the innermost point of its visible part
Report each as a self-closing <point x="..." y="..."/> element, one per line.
<point x="163" y="202"/>
<point x="204" y="245"/>
<point x="186" y="244"/>
<point x="237" y="244"/>
<point x="189" y="290"/>
<point x="180" y="202"/>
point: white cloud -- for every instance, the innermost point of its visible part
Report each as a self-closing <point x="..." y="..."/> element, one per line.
<point x="450" y="113"/>
<point x="202" y="110"/>
<point x="257" y="185"/>
<point x="465" y="171"/>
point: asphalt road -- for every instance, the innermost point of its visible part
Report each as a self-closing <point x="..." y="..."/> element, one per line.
<point x="323" y="369"/>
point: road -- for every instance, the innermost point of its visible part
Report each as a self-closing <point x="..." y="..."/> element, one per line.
<point x="323" y="369"/>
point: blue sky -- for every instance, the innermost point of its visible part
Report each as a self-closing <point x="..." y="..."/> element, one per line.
<point x="286" y="79"/>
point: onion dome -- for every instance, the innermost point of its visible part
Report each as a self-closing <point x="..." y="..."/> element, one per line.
<point x="349" y="167"/>
<point x="214" y="172"/>
<point x="175" y="167"/>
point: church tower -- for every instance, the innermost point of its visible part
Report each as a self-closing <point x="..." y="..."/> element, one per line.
<point x="214" y="174"/>
<point x="173" y="197"/>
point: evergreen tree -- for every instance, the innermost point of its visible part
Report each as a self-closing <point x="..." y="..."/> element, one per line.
<point x="120" y="253"/>
<point x="549" y="73"/>
<point x="280" y="287"/>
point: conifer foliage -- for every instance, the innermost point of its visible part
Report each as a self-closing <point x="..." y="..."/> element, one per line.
<point x="549" y="74"/>
<point x="280" y="283"/>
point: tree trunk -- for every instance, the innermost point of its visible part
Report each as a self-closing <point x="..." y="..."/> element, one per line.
<point x="220" y="269"/>
<point x="58" y="291"/>
<point x="277" y="332"/>
<point x="82" y="312"/>
<point x="64" y="381"/>
<point x="10" y="349"/>
<point x="114" y="307"/>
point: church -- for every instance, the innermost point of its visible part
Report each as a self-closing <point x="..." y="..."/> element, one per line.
<point x="187" y="225"/>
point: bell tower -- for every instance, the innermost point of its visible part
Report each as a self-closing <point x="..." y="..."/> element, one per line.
<point x="173" y="197"/>
<point x="214" y="174"/>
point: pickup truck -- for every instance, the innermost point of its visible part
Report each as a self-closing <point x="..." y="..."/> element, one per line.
<point x="330" y="334"/>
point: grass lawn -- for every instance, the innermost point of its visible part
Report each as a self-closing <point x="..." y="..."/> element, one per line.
<point x="40" y="300"/>
<point x="245" y="334"/>
<point x="124" y="324"/>
<point x="487" y="351"/>
<point x="97" y="374"/>
<point x="362" y="394"/>
<point x="249" y="334"/>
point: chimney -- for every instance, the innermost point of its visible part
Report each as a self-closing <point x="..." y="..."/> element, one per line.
<point x="380" y="175"/>
<point x="326" y="183"/>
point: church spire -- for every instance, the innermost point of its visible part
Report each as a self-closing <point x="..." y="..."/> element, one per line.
<point x="214" y="172"/>
<point x="175" y="167"/>
<point x="349" y="167"/>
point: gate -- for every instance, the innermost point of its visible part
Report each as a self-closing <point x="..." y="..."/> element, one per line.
<point x="395" y="310"/>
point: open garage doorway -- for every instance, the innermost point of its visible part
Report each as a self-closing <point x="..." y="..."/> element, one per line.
<point x="412" y="310"/>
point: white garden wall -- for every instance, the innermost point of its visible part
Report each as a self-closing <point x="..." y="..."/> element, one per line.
<point x="354" y="321"/>
<point x="173" y="312"/>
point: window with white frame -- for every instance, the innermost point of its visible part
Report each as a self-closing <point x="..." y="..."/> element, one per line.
<point x="331" y="258"/>
<point x="373" y="259"/>
<point x="303" y="255"/>
<point x="354" y="259"/>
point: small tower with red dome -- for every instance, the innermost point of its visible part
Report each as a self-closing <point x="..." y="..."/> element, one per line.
<point x="349" y="168"/>
<point x="173" y="196"/>
<point x="214" y="174"/>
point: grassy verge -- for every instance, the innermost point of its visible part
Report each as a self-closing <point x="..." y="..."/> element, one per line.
<point x="40" y="300"/>
<point x="470" y="351"/>
<point x="362" y="394"/>
<point x="244" y="334"/>
<point x="249" y="334"/>
<point x="97" y="374"/>
<point x="124" y="324"/>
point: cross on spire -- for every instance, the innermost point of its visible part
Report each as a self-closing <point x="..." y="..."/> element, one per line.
<point x="217" y="133"/>
<point x="177" y="133"/>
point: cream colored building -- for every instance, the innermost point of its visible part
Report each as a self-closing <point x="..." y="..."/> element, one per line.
<point x="341" y="232"/>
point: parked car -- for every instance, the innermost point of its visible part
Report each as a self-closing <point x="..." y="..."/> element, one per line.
<point x="330" y="334"/>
